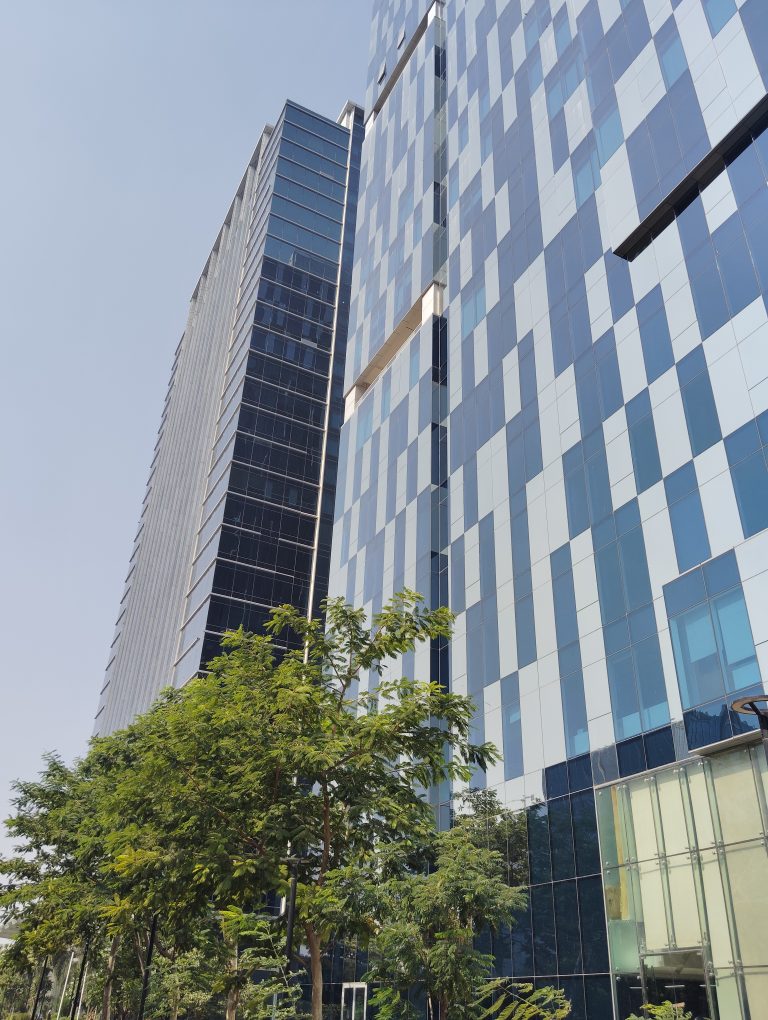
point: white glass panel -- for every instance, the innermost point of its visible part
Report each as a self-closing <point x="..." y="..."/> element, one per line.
<point x="736" y="796"/>
<point x="642" y="820"/>
<point x="672" y="813"/>
<point x="654" y="915"/>
<point x="748" y="873"/>
<point x="728" y="995"/>
<point x="757" y="991"/>
<point x="702" y="814"/>
<point x="717" y="919"/>
<point x="685" y="913"/>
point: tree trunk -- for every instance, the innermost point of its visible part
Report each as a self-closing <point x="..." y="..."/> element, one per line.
<point x="233" y="1000"/>
<point x="313" y="941"/>
<point x="233" y="994"/>
<point x="106" y="1002"/>
<point x="443" y="1007"/>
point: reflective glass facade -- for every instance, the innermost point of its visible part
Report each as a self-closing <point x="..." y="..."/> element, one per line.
<point x="556" y="398"/>
<point x="239" y="508"/>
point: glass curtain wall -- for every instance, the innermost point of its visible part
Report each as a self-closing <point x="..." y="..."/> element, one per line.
<point x="685" y="871"/>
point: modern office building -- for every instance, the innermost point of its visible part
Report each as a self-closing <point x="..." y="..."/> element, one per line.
<point x="556" y="417"/>
<point x="239" y="506"/>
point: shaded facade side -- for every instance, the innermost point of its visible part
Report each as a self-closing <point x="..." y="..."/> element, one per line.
<point x="256" y="444"/>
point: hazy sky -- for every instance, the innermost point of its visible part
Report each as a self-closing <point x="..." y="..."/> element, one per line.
<point x="125" y="127"/>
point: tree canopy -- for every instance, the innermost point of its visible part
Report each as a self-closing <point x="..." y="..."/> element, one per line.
<point x="192" y="812"/>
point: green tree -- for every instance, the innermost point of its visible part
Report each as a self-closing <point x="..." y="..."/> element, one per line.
<point x="311" y="752"/>
<point x="430" y="923"/>
<point x="64" y="891"/>
<point x="666" y="1011"/>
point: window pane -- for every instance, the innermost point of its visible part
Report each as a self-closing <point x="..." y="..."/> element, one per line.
<point x="645" y="453"/>
<point x="575" y="714"/>
<point x="538" y="844"/>
<point x="734" y="635"/>
<point x="750" y="482"/>
<point x="561" y="838"/>
<point x="626" y="710"/>
<point x="650" y="683"/>
<point x="689" y="531"/>
<point x="673" y="62"/>
<point x="701" y="413"/>
<point x="585" y="833"/>
<point x="719" y="13"/>
<point x="567" y="921"/>
<point x="609" y="584"/>
<point x="544" y="945"/>
<point x="696" y="657"/>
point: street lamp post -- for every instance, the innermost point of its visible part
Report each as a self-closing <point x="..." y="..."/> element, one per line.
<point x="751" y="706"/>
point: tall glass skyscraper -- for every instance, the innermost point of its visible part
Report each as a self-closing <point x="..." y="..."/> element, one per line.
<point x="239" y="506"/>
<point x="556" y="422"/>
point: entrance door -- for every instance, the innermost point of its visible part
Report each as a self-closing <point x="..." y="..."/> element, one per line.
<point x="354" y="1001"/>
<point x="680" y="977"/>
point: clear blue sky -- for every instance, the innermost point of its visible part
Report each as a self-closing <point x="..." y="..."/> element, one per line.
<point x="125" y="128"/>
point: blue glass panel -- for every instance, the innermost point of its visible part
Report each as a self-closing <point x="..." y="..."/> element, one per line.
<point x="709" y="298"/>
<point x="654" y="335"/>
<point x="701" y="413"/>
<point x="689" y="531"/>
<point x="746" y="174"/>
<point x="651" y="688"/>
<point x="743" y="442"/>
<point x="556" y="780"/>
<point x="616" y="636"/>
<point x="624" y="700"/>
<point x="719" y="13"/>
<point x="659" y="748"/>
<point x="671" y="54"/>
<point x="645" y="453"/>
<point x="580" y="773"/>
<point x="538" y="844"/>
<point x="750" y="483"/>
<point x="699" y="672"/>
<point x="736" y="268"/>
<point x="734" y="640"/>
<point x="609" y="133"/>
<point x="561" y="838"/>
<point x="642" y="623"/>
<point x="609" y="583"/>
<point x="631" y="755"/>
<point x="685" y="592"/>
<point x="585" y="840"/>
<point x="598" y="486"/>
<point x="522" y="943"/>
<point x="525" y="631"/>
<point x="637" y="584"/>
<point x="543" y="918"/>
<point x="575" y="714"/>
<point x="721" y="574"/>
<point x="627" y="517"/>
<point x="513" y="741"/>
<point x="586" y="171"/>
<point x="576" y="502"/>
<point x="680" y="482"/>
<point x="597" y="989"/>
<point x="594" y="940"/>
<point x="567" y="923"/>
<point x="707" y="724"/>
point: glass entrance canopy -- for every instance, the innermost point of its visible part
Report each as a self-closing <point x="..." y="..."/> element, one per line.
<point x="684" y="855"/>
